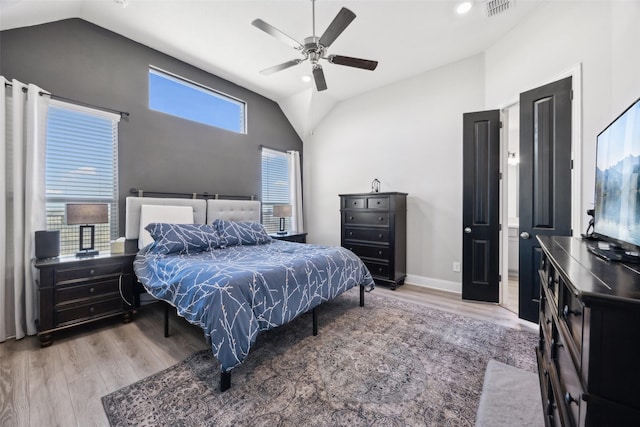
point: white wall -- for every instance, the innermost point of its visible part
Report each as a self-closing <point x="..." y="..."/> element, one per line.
<point x="602" y="36"/>
<point x="409" y="136"/>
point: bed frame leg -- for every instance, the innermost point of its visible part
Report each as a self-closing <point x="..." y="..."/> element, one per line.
<point x="225" y="381"/>
<point x="166" y="320"/>
<point x="361" y="296"/>
<point x="314" y="315"/>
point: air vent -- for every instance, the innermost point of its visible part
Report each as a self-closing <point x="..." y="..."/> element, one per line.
<point x="495" y="7"/>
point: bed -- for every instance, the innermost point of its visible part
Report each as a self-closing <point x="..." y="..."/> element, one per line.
<point x="225" y="274"/>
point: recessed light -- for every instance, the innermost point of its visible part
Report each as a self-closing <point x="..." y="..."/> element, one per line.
<point x="464" y="7"/>
<point x="306" y="79"/>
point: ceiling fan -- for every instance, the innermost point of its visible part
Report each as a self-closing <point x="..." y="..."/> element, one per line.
<point x="315" y="48"/>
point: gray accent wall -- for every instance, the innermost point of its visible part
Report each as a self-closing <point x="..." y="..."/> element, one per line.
<point x="157" y="152"/>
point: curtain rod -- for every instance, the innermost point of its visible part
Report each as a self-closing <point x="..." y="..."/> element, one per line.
<point x="73" y="101"/>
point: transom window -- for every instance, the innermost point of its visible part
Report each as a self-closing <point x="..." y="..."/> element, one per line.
<point x="182" y="98"/>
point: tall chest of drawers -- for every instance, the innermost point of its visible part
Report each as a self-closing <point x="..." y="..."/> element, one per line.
<point x="74" y="291"/>
<point x="589" y="348"/>
<point x="374" y="228"/>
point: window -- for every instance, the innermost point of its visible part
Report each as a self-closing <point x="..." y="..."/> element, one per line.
<point x="275" y="186"/>
<point x="181" y="98"/>
<point x="81" y="166"/>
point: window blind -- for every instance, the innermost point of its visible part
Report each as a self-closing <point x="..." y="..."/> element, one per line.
<point x="81" y="166"/>
<point x="275" y="186"/>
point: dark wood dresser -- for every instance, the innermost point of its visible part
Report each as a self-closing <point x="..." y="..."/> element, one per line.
<point x="75" y="291"/>
<point x="374" y="228"/>
<point x="589" y="348"/>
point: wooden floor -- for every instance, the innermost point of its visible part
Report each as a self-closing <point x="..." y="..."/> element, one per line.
<point x="61" y="385"/>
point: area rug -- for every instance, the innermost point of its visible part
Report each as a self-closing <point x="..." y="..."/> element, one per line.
<point x="390" y="363"/>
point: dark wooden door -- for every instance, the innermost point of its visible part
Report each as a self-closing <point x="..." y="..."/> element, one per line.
<point x="481" y="206"/>
<point x="545" y="181"/>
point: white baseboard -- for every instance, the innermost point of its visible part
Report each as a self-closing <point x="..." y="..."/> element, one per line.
<point x="427" y="282"/>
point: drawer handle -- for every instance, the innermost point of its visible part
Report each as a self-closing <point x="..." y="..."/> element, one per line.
<point x="379" y="252"/>
<point x="380" y="235"/>
<point x="351" y="218"/>
<point x="351" y="233"/>
<point x="380" y="218"/>
<point x="91" y="290"/>
<point x="92" y="272"/>
<point x="355" y="203"/>
<point x="380" y="269"/>
<point x="566" y="312"/>
<point x="378" y="202"/>
<point x="570" y="399"/>
<point x="91" y="310"/>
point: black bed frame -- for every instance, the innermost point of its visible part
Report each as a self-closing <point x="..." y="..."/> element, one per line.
<point x="225" y="377"/>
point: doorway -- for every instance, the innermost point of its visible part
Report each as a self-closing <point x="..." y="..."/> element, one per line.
<point x="510" y="165"/>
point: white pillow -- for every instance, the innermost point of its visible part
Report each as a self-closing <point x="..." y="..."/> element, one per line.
<point x="159" y="213"/>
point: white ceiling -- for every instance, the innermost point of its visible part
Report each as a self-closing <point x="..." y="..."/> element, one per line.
<point x="406" y="37"/>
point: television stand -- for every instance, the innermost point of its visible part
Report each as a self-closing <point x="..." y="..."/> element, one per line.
<point x="615" y="255"/>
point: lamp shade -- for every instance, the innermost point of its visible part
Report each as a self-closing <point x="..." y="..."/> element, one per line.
<point x="282" y="211"/>
<point x="87" y="213"/>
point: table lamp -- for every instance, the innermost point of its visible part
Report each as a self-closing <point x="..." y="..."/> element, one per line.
<point x="282" y="212"/>
<point x="86" y="215"/>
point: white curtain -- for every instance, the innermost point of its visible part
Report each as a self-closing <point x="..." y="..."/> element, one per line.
<point x="295" y="191"/>
<point x="23" y="118"/>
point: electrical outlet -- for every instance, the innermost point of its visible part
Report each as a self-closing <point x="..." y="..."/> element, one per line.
<point x="456" y="266"/>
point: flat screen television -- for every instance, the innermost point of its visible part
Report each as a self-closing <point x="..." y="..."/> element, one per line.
<point x="617" y="192"/>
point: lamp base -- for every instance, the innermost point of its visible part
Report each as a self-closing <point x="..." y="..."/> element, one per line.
<point x="88" y="252"/>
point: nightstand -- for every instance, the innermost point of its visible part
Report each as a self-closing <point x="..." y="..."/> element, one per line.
<point x="74" y="291"/>
<point x="290" y="237"/>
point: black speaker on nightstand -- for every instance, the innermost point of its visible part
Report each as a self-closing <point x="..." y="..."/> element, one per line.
<point x="47" y="244"/>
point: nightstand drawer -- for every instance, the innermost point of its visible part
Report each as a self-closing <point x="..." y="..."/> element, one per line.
<point x="76" y="313"/>
<point x="84" y="273"/>
<point x="368" y="235"/>
<point x="367" y="218"/>
<point x="89" y="290"/>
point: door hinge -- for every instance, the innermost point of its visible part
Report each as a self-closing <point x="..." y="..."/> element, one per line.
<point x="499" y="175"/>
<point x="499" y="277"/>
<point x="500" y="125"/>
<point x="571" y="94"/>
<point x="499" y="227"/>
<point x="571" y="164"/>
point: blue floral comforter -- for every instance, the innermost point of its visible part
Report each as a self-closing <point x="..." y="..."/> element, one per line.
<point x="235" y="292"/>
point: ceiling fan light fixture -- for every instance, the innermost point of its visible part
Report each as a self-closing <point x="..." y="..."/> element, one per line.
<point x="306" y="78"/>
<point x="464" y="7"/>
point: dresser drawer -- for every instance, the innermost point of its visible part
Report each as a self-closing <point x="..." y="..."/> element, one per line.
<point x="354" y="203"/>
<point x="369" y="251"/>
<point x="571" y="314"/>
<point x="367" y="235"/>
<point x="366" y="218"/>
<point x="77" y="313"/>
<point x="378" y="269"/>
<point x="87" y="290"/>
<point x="62" y="275"/>
<point x="568" y="374"/>
<point x="378" y="203"/>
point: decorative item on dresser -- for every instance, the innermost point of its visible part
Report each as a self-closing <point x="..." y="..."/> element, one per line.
<point x="290" y="236"/>
<point x="374" y="228"/>
<point x="589" y="336"/>
<point x="74" y="291"/>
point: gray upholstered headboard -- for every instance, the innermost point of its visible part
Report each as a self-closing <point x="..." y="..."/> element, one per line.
<point x="233" y="210"/>
<point x="132" y="226"/>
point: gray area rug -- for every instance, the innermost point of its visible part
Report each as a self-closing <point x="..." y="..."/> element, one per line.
<point x="389" y="363"/>
<point x="510" y="397"/>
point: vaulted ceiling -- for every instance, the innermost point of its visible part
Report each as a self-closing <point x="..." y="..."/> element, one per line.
<point x="406" y="37"/>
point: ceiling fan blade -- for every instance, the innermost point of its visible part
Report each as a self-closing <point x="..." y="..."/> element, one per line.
<point x="273" y="31"/>
<point x="353" y="62"/>
<point x="318" y="76"/>
<point x="337" y="26"/>
<point x="280" y="67"/>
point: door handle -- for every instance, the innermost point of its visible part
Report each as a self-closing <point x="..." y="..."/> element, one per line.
<point x="467" y="230"/>
<point x="525" y="235"/>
